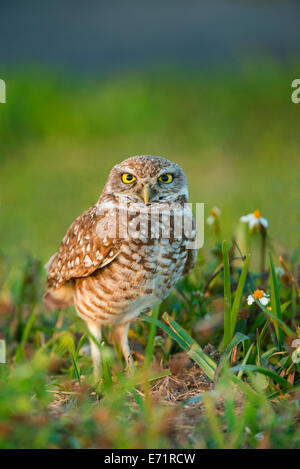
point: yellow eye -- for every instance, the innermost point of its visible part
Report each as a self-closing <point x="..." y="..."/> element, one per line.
<point x="166" y="178"/>
<point x="128" y="178"/>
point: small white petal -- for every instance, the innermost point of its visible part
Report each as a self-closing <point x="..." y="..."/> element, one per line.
<point x="254" y="222"/>
<point x="263" y="222"/>
<point x="250" y="300"/>
<point x="210" y="220"/>
<point x="264" y="300"/>
<point x="246" y="218"/>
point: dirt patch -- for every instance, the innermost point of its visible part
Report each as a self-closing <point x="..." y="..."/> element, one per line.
<point x="185" y="382"/>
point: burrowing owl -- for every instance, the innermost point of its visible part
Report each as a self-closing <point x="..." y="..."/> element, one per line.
<point x="125" y="253"/>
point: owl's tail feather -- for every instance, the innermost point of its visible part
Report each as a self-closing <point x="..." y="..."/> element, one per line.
<point x="59" y="298"/>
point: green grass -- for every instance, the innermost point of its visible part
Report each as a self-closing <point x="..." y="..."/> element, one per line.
<point x="236" y="136"/>
<point x="47" y="393"/>
<point x="234" y="133"/>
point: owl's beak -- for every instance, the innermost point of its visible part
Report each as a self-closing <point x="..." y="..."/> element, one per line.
<point x="148" y="194"/>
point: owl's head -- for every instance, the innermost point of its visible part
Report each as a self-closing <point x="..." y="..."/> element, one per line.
<point x="147" y="179"/>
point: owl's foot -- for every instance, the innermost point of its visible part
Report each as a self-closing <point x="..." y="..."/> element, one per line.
<point x="95" y="340"/>
<point x="130" y="366"/>
<point x="121" y="338"/>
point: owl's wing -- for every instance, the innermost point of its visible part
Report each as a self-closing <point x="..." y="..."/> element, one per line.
<point x="83" y="250"/>
<point x="192" y="253"/>
<point x="190" y="261"/>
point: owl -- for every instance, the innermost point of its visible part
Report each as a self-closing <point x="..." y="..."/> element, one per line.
<point x="125" y="253"/>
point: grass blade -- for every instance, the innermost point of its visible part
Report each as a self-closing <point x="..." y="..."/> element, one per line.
<point x="188" y="340"/>
<point x="197" y="354"/>
<point x="151" y="337"/>
<point x="227" y="295"/>
<point x="168" y="330"/>
<point x="238" y="295"/>
<point x="276" y="320"/>
<point x="25" y="335"/>
<point x="244" y="362"/>
<point x="259" y="369"/>
<point x="76" y="367"/>
<point x="213" y="421"/>
<point x="275" y="301"/>
<point x="80" y="343"/>
<point x="238" y="338"/>
<point x="176" y="332"/>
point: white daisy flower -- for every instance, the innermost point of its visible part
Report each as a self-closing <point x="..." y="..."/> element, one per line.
<point x="213" y="214"/>
<point x="255" y="219"/>
<point x="259" y="295"/>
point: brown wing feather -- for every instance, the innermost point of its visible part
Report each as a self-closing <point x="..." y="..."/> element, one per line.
<point x="190" y="261"/>
<point x="81" y="251"/>
<point x="192" y="253"/>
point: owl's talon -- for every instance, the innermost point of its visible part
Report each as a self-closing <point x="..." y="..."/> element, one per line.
<point x="130" y="365"/>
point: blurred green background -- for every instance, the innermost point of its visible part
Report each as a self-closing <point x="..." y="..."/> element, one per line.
<point x="235" y="132"/>
<point x="206" y="84"/>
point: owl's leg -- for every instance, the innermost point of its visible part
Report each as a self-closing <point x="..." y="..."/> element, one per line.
<point x="95" y="330"/>
<point x="121" y="338"/>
